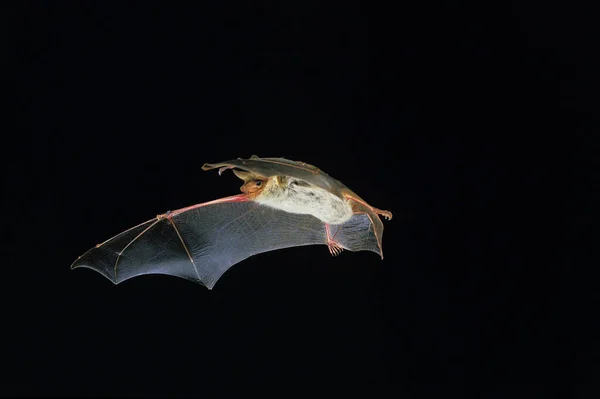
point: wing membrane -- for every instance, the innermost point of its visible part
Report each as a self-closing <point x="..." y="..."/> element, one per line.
<point x="200" y="243"/>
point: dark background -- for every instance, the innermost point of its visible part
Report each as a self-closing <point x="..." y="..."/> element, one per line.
<point x="472" y="124"/>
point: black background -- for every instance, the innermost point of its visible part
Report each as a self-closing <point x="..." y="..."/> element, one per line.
<point x="472" y="124"/>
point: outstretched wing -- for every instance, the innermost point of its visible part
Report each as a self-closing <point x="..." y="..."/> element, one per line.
<point x="201" y="242"/>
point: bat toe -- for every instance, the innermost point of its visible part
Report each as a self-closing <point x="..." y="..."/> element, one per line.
<point x="334" y="248"/>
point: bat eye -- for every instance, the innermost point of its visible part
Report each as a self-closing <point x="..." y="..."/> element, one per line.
<point x="258" y="183"/>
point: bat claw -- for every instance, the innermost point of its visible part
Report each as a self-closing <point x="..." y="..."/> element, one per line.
<point x="224" y="168"/>
<point x="334" y="248"/>
<point x="386" y="214"/>
<point x="163" y="216"/>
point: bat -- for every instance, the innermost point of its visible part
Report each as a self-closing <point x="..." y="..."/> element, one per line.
<point x="282" y="204"/>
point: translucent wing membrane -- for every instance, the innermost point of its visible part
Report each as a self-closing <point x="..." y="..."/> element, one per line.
<point x="356" y="234"/>
<point x="202" y="242"/>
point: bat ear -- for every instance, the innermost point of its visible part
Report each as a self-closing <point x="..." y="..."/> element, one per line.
<point x="245" y="176"/>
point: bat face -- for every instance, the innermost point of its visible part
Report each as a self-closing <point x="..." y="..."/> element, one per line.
<point x="252" y="188"/>
<point x="253" y="184"/>
<point x="283" y="204"/>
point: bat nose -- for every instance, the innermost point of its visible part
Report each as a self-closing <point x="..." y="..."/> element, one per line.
<point x="242" y="189"/>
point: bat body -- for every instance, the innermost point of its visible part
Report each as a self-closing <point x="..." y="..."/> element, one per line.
<point x="283" y="204"/>
<point x="296" y="196"/>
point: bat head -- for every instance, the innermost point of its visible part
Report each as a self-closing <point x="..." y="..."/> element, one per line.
<point x="253" y="184"/>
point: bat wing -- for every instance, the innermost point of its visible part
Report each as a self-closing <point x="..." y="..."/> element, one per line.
<point x="201" y="242"/>
<point x="268" y="167"/>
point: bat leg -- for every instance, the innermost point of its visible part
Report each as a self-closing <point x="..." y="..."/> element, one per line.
<point x="334" y="248"/>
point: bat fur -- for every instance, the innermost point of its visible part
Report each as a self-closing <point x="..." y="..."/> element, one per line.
<point x="298" y="196"/>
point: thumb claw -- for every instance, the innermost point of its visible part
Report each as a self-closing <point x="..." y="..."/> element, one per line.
<point x="224" y="168"/>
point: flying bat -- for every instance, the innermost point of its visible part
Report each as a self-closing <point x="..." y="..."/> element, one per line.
<point x="282" y="204"/>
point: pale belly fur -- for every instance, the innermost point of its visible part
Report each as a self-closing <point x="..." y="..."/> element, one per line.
<point x="308" y="200"/>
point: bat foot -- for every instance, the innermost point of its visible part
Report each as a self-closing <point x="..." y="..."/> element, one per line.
<point x="334" y="248"/>
<point x="386" y="214"/>
<point x="360" y="205"/>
